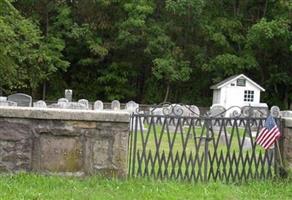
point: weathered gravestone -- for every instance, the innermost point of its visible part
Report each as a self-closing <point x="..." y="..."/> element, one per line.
<point x="115" y="105"/>
<point x="68" y="94"/>
<point x="21" y="99"/>
<point x="194" y="111"/>
<point x="160" y="116"/>
<point x="63" y="103"/>
<point x="132" y="107"/>
<point x="3" y="101"/>
<point x="190" y="111"/>
<point x="40" y="104"/>
<point x="275" y="111"/>
<point x="84" y="102"/>
<point x="98" y="105"/>
<point x="216" y="111"/>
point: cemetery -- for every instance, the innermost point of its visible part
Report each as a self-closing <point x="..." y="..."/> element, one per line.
<point x="167" y="141"/>
<point x="81" y="138"/>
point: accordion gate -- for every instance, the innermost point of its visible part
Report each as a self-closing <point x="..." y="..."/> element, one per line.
<point x="199" y="148"/>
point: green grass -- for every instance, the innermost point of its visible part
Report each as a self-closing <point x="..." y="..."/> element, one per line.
<point x="36" y="187"/>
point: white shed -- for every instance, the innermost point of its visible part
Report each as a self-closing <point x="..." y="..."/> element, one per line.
<point x="237" y="90"/>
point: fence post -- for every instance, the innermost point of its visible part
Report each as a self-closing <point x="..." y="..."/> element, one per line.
<point x="206" y="150"/>
<point x="286" y="142"/>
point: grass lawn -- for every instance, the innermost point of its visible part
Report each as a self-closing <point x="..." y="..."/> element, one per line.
<point x="31" y="186"/>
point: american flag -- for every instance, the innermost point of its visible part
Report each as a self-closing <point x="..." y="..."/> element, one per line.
<point x="269" y="133"/>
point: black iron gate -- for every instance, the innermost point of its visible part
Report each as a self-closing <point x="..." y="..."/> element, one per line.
<point x="177" y="143"/>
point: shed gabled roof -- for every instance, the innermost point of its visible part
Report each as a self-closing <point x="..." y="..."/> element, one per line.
<point x="232" y="78"/>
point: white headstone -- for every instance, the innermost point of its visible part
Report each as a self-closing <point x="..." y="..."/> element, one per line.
<point x="84" y="102"/>
<point x="62" y="103"/>
<point x="217" y="111"/>
<point x="115" y="105"/>
<point x="3" y="99"/>
<point x="194" y="111"/>
<point x="98" y="105"/>
<point x="68" y="94"/>
<point x="63" y="100"/>
<point x="132" y="107"/>
<point x="40" y="104"/>
<point x="275" y="111"/>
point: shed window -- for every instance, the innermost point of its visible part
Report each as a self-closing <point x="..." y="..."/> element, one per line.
<point x="248" y="95"/>
<point x="240" y="82"/>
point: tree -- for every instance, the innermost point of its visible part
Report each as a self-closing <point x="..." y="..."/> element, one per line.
<point x="26" y="59"/>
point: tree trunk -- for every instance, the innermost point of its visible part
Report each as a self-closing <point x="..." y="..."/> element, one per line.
<point x="46" y="35"/>
<point x="265" y="8"/>
<point x="167" y="93"/>
<point x="44" y="90"/>
<point x="286" y="98"/>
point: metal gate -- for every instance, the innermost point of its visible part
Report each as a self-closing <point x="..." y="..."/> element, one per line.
<point x="175" y="142"/>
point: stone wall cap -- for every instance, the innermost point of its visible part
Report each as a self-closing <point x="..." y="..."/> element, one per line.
<point x="64" y="114"/>
<point x="286" y="113"/>
<point x="288" y="122"/>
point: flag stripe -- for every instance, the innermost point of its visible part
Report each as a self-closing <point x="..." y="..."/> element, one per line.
<point x="271" y="141"/>
<point x="261" y="135"/>
<point x="270" y="138"/>
<point x="266" y="137"/>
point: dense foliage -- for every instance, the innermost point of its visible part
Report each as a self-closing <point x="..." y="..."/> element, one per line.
<point x="146" y="50"/>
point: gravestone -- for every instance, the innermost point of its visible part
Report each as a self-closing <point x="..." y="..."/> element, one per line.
<point x="194" y="111"/>
<point x="132" y="107"/>
<point x="190" y="111"/>
<point x="275" y="111"/>
<point x="3" y="101"/>
<point x="68" y="94"/>
<point x="63" y="100"/>
<point x="62" y="103"/>
<point x="234" y="112"/>
<point x="156" y="111"/>
<point x="216" y="112"/>
<point x="84" y="102"/>
<point x="115" y="105"/>
<point x="98" y="105"/>
<point x="40" y="104"/>
<point x="160" y="115"/>
<point x="77" y="106"/>
<point x="21" y="99"/>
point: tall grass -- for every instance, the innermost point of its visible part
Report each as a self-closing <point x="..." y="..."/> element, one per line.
<point x="32" y="186"/>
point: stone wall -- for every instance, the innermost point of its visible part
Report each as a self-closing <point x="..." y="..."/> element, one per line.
<point x="76" y="142"/>
<point x="287" y="142"/>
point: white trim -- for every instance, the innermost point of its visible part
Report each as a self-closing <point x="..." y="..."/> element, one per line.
<point x="242" y="75"/>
